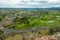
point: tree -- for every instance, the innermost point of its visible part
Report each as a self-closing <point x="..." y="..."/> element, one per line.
<point x="52" y="30"/>
<point x="24" y="20"/>
<point x="57" y="28"/>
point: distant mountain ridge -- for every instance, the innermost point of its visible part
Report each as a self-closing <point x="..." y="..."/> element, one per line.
<point x="53" y="8"/>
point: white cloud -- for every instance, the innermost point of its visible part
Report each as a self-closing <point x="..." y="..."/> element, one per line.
<point x="8" y="2"/>
<point x="29" y="3"/>
<point x="53" y="1"/>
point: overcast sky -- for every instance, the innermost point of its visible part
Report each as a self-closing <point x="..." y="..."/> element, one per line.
<point x="29" y="3"/>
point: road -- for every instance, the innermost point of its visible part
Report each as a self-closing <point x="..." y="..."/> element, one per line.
<point x="7" y="31"/>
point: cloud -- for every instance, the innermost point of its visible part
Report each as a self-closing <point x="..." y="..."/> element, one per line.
<point x="29" y="3"/>
<point x="8" y="2"/>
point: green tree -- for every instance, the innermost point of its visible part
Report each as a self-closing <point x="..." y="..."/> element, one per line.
<point x="24" y="20"/>
<point x="52" y="30"/>
<point x="57" y="28"/>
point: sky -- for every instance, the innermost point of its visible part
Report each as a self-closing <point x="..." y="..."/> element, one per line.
<point x="29" y="3"/>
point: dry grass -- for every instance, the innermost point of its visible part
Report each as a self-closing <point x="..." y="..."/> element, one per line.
<point x="15" y="37"/>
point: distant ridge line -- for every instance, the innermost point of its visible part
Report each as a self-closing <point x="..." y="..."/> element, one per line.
<point x="29" y="8"/>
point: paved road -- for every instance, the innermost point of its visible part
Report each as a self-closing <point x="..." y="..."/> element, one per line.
<point x="7" y="31"/>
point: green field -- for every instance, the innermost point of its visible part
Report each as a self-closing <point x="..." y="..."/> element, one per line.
<point x="21" y="19"/>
